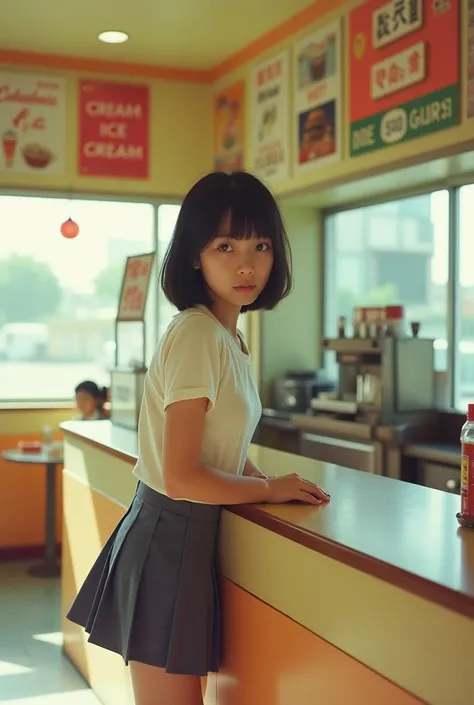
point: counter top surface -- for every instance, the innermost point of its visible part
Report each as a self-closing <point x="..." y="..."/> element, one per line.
<point x="402" y="533"/>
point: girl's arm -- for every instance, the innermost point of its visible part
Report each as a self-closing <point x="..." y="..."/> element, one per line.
<point x="251" y="470"/>
<point x="185" y="477"/>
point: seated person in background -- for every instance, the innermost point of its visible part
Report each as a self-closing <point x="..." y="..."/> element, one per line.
<point x="90" y="400"/>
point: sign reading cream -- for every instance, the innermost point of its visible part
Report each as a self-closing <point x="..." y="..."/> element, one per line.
<point x="270" y="118"/>
<point x="404" y="71"/>
<point x="32" y="123"/>
<point x="317" y="85"/>
<point x="113" y="130"/>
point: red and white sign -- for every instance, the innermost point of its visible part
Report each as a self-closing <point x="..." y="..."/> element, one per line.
<point x="113" y="129"/>
<point x="398" y="71"/>
<point x="135" y="283"/>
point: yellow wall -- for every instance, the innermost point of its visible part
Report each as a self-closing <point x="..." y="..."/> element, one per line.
<point x="453" y="140"/>
<point x="180" y="141"/>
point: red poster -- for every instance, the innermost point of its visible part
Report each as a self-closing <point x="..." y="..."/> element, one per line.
<point x="113" y="129"/>
<point x="404" y="70"/>
<point x="135" y="283"/>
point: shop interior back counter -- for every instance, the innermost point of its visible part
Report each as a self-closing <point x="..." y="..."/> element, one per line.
<point x="368" y="600"/>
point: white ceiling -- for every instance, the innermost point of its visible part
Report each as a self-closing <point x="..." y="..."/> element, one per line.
<point x="197" y="34"/>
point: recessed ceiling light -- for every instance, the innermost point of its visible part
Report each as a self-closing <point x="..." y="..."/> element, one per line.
<point x="113" y="37"/>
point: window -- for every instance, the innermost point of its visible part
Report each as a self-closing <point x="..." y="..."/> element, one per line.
<point x="167" y="217"/>
<point x="464" y="313"/>
<point x="388" y="253"/>
<point x="58" y="297"/>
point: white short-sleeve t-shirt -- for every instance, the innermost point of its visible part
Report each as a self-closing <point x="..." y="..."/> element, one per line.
<point x="198" y="357"/>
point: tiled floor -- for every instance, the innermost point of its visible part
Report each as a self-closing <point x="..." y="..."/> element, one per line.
<point x="33" y="670"/>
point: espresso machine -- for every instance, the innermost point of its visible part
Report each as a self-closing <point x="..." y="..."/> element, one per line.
<point x="382" y="380"/>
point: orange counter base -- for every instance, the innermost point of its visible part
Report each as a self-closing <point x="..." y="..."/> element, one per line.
<point x="267" y="657"/>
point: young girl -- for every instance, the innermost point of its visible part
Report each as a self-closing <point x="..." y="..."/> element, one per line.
<point x="90" y="400"/>
<point x="151" y="596"/>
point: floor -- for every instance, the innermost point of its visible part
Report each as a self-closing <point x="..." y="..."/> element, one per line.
<point x="33" y="670"/>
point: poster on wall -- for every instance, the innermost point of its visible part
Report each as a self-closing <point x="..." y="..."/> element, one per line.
<point x="317" y="86"/>
<point x="32" y="123"/>
<point x="134" y="291"/>
<point x="270" y="119"/>
<point x="470" y="61"/>
<point x="113" y="129"/>
<point x="404" y="71"/>
<point x="229" y="128"/>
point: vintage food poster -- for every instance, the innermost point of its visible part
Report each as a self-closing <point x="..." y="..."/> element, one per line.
<point x="32" y="123"/>
<point x="270" y="118"/>
<point x="229" y="128"/>
<point x="317" y="89"/>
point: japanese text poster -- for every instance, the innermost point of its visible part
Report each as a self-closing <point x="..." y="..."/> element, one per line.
<point x="470" y="60"/>
<point x="113" y="129"/>
<point x="229" y="128"/>
<point x="135" y="283"/>
<point x="404" y="71"/>
<point x="270" y="118"/>
<point x="317" y="85"/>
<point x="32" y="123"/>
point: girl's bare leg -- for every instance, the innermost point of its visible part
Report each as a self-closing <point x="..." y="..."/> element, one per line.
<point x="153" y="686"/>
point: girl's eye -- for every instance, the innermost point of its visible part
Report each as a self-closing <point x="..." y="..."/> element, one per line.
<point x="263" y="247"/>
<point x="225" y="247"/>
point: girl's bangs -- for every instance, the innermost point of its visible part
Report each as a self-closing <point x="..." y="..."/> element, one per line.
<point x="245" y="223"/>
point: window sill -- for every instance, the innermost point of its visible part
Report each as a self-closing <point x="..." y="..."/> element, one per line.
<point x="25" y="405"/>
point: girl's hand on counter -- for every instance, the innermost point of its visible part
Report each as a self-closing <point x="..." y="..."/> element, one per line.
<point x="292" y="487"/>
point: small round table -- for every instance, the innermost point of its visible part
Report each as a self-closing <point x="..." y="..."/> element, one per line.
<point x="50" y="567"/>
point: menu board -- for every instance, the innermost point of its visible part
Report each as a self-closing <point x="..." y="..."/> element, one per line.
<point x="113" y="129"/>
<point x="32" y="123"/>
<point x="135" y="283"/>
<point x="404" y="71"/>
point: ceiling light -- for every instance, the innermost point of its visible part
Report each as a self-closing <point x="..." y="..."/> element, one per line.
<point x="113" y="37"/>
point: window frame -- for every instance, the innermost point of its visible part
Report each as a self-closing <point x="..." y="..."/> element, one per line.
<point x="453" y="188"/>
<point x="152" y="333"/>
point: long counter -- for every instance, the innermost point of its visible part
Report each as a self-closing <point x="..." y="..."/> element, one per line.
<point x="367" y="600"/>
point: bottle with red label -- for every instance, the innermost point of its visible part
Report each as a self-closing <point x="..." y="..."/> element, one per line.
<point x="466" y="515"/>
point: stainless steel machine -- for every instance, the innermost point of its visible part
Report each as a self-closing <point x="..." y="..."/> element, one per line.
<point x="382" y="381"/>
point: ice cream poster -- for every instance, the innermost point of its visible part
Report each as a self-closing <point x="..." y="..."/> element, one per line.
<point x="229" y="128"/>
<point x="32" y="123"/>
<point x="270" y="118"/>
<point x="317" y="86"/>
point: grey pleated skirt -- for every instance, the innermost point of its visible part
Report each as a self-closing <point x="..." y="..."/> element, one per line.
<point x="152" y="595"/>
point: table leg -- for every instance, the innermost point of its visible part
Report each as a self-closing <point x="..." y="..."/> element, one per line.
<point x="50" y="568"/>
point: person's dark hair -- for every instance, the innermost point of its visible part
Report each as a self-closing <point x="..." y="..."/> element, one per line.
<point x="252" y="209"/>
<point x="98" y="393"/>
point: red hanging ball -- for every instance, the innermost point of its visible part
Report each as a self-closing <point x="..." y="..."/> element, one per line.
<point x="69" y="229"/>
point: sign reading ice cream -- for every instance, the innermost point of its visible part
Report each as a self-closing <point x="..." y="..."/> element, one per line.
<point x="32" y="123"/>
<point x="113" y="130"/>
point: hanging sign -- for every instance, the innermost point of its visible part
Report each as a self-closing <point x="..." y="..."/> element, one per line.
<point x="134" y="291"/>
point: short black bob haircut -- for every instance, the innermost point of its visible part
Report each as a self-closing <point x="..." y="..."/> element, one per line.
<point x="253" y="211"/>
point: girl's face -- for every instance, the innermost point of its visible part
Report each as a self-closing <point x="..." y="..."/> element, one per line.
<point x="86" y="403"/>
<point x="236" y="271"/>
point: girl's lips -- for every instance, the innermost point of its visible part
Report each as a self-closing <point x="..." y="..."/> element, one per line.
<point x="245" y="289"/>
